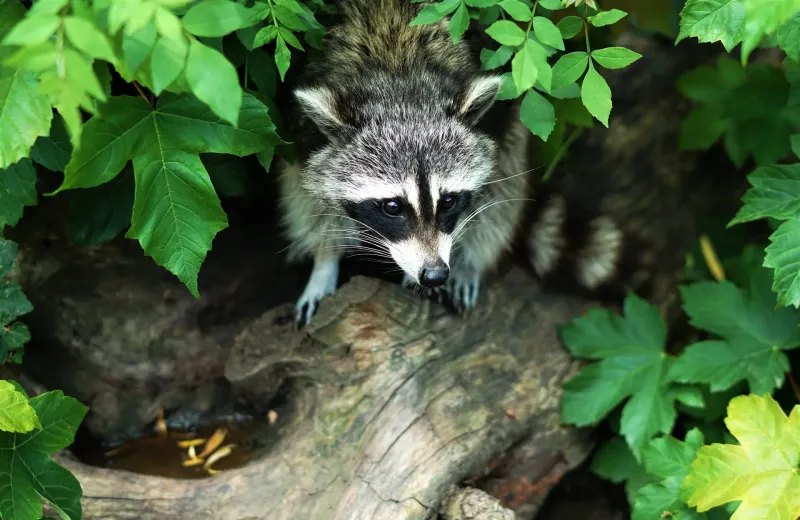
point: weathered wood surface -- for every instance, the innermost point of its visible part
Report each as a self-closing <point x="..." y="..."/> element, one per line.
<point x="404" y="400"/>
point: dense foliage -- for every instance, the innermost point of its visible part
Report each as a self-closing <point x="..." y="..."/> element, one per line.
<point x="136" y="102"/>
<point x="752" y="470"/>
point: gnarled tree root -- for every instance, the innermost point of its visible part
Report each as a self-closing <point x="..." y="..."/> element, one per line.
<point x="396" y="400"/>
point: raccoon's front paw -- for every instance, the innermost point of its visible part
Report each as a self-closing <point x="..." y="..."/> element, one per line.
<point x="307" y="304"/>
<point x="462" y="291"/>
<point x="321" y="283"/>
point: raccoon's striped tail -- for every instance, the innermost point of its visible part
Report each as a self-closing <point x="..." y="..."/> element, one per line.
<point x="570" y="247"/>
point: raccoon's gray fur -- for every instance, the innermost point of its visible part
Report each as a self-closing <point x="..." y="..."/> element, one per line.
<point x="402" y="149"/>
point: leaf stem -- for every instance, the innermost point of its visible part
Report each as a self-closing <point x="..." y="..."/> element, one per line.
<point x="60" y="62"/>
<point x="272" y="14"/>
<point x="246" y="67"/>
<point x="141" y="93"/>
<point x="533" y="14"/>
<point x="586" y="28"/>
<point x="562" y="150"/>
<point x="795" y="388"/>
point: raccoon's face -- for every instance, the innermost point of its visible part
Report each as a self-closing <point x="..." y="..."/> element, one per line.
<point x="406" y="168"/>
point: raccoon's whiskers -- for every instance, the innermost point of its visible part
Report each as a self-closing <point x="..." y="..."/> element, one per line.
<point x="511" y="176"/>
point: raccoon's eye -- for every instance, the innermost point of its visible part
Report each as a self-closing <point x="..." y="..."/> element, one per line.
<point x="392" y="208"/>
<point x="447" y="202"/>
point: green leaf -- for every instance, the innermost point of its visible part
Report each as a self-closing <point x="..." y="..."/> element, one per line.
<point x="129" y="124"/>
<point x="545" y="71"/>
<point x="32" y="30"/>
<point x="783" y="255"/>
<point x="98" y="215"/>
<point x="482" y="3"/>
<point x="690" y="396"/>
<point x="166" y="63"/>
<point x="164" y="143"/>
<point x="604" y="18"/>
<point x="508" y="90"/>
<point x="434" y="13"/>
<point x="548" y="33"/>
<point x="283" y="57"/>
<point x="615" y="57"/>
<point x="669" y="459"/>
<point x="290" y="38"/>
<point x="459" y="23"/>
<point x="552" y="5"/>
<point x="614" y="461"/>
<point x="523" y="67"/>
<point x="789" y="37"/>
<point x="138" y="46"/>
<point x="25" y="114"/>
<point x="493" y="59"/>
<point x="506" y="33"/>
<point x="265" y="35"/>
<point x="13" y="304"/>
<point x="713" y="20"/>
<point x="84" y="35"/>
<point x="763" y="19"/>
<point x="169" y="25"/>
<point x="176" y="211"/>
<point x="569" y="68"/>
<point x="517" y="10"/>
<point x="537" y="114"/>
<point x="79" y="88"/>
<point x="570" y="26"/>
<point x="217" y="18"/>
<point x="709" y="85"/>
<point x="632" y="364"/>
<point x="27" y="473"/>
<point x="8" y="256"/>
<point x="16" y="415"/>
<point x="702" y="127"/>
<point x="753" y="335"/>
<point x="761" y="471"/>
<point x="214" y="81"/>
<point x="109" y="142"/>
<point x="17" y="190"/>
<point x="775" y="193"/>
<point x="596" y="95"/>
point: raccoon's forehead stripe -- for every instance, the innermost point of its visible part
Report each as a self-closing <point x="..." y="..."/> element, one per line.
<point x="427" y="209"/>
<point x="367" y="189"/>
<point x="413" y="194"/>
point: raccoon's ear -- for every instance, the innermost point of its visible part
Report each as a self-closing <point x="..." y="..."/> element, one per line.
<point x="478" y="97"/>
<point x="319" y="104"/>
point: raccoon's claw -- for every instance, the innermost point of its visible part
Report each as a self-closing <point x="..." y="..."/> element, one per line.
<point x="321" y="283"/>
<point x="463" y="292"/>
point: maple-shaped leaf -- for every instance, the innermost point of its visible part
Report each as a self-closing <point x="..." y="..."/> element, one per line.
<point x="28" y="474"/>
<point x="669" y="459"/>
<point x="753" y="335"/>
<point x="761" y="472"/>
<point x="16" y="414"/>
<point x="632" y="364"/>
<point x="614" y="461"/>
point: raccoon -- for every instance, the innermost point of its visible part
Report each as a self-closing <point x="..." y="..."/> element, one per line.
<point x="404" y="152"/>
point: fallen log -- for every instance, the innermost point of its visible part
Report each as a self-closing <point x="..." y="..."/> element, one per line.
<point x="396" y="400"/>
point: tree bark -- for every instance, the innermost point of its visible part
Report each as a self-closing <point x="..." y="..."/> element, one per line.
<point x="405" y="401"/>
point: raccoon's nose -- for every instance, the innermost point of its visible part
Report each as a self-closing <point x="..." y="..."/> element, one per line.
<point x="434" y="275"/>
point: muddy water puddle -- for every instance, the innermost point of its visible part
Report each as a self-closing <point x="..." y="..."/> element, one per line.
<point x="181" y="454"/>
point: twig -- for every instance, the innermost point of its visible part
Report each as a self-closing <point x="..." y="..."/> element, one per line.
<point x="795" y="388"/>
<point x="141" y="92"/>
<point x="562" y="150"/>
